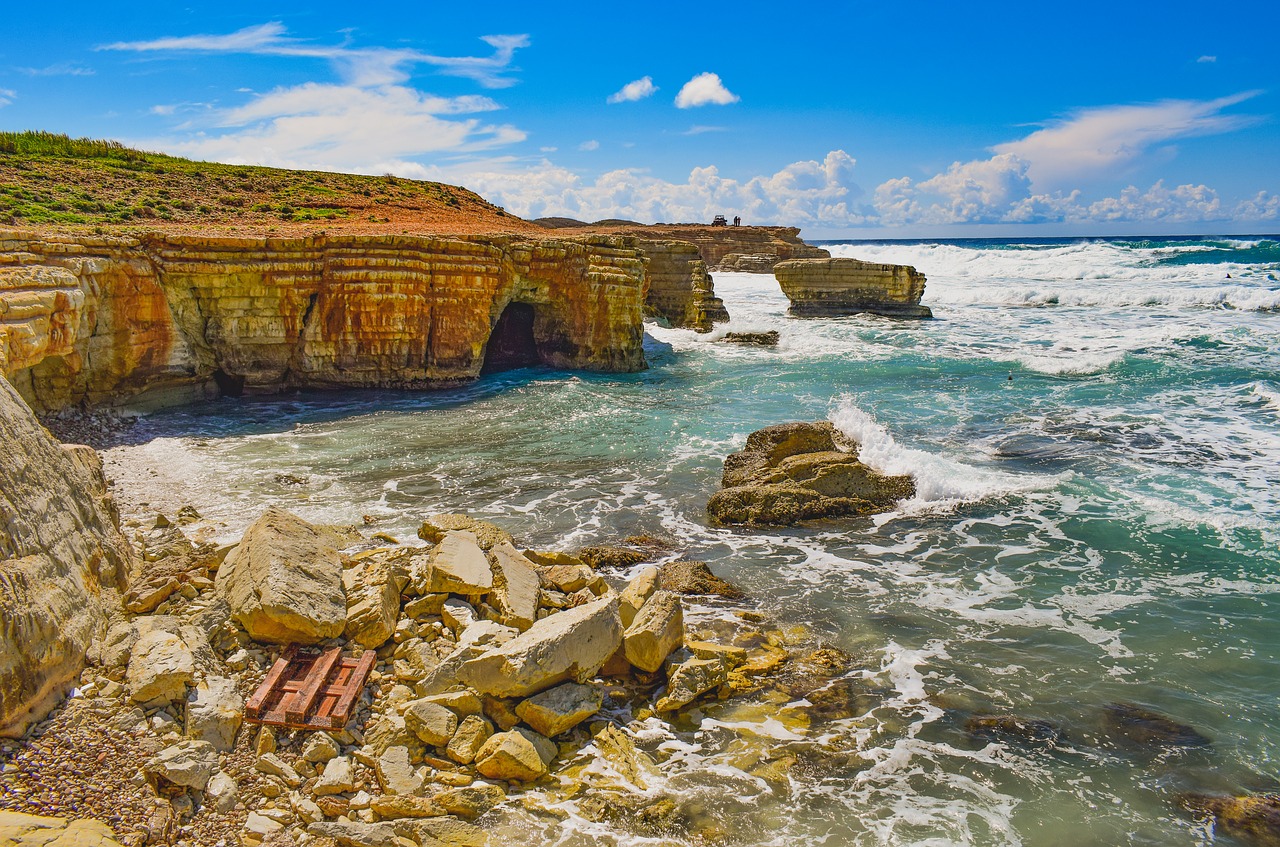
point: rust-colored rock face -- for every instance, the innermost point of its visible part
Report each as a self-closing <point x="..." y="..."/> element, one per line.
<point x="167" y="318"/>
<point x="680" y="289"/>
<point x="848" y="287"/>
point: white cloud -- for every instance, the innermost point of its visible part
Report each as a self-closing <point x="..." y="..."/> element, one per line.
<point x="704" y="89"/>
<point x="1263" y="206"/>
<point x="60" y="69"/>
<point x="548" y="149"/>
<point x="801" y="194"/>
<point x="1207" y="59"/>
<point x="344" y="127"/>
<point x="359" y="66"/>
<point x="971" y="192"/>
<point x="698" y="129"/>
<point x="1183" y="204"/>
<point x="589" y="145"/>
<point x="1104" y="140"/>
<point x="636" y="90"/>
<point x="6" y="96"/>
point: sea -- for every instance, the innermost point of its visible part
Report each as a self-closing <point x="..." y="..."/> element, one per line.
<point x="1094" y="430"/>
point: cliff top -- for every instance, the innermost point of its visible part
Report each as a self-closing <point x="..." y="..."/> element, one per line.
<point x="52" y="182"/>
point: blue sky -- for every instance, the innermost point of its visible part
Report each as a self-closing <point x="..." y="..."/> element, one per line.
<point x="847" y="119"/>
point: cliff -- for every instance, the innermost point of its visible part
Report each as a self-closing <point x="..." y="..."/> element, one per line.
<point x="162" y="318"/>
<point x="680" y="289"/>
<point x="849" y="286"/>
<point x="62" y="562"/>
<point x="751" y="249"/>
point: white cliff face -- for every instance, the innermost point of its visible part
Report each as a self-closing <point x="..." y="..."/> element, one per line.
<point x="62" y="562"/>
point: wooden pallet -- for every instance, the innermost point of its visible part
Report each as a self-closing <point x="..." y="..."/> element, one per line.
<point x="310" y="690"/>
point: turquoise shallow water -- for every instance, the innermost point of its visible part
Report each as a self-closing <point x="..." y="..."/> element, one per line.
<point x="1103" y="527"/>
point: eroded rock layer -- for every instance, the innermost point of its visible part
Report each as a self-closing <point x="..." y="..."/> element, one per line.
<point x="166" y="318"/>
<point x="680" y="289"/>
<point x="62" y="558"/>
<point x="849" y="286"/>
<point x="753" y="249"/>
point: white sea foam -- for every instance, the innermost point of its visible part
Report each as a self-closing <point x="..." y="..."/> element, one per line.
<point x="1268" y="394"/>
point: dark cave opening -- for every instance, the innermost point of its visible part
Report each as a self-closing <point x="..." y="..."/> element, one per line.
<point x="511" y="345"/>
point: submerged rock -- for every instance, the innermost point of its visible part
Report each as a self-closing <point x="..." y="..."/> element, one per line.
<point x="796" y="472"/>
<point x="763" y="339"/>
<point x="1254" y="819"/>
<point x="605" y="556"/>
<point x="1143" y="727"/>
<point x="690" y="577"/>
<point x="994" y="727"/>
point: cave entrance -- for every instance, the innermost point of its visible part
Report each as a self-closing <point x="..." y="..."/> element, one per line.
<point x="511" y="345"/>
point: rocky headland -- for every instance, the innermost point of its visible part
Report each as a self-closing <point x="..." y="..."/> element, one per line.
<point x="831" y="287"/>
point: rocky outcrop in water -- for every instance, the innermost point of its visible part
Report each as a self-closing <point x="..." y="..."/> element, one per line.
<point x="797" y="472"/>
<point x="157" y="319"/>
<point x="62" y="563"/>
<point x="824" y="287"/>
<point x="680" y="289"/>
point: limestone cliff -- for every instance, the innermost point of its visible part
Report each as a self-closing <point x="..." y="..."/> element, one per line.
<point x="164" y="318"/>
<point x="62" y="560"/>
<point x="848" y="286"/>
<point x="753" y="249"/>
<point x="680" y="289"/>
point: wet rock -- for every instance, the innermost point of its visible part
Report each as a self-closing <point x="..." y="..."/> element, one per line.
<point x="560" y="709"/>
<point x="797" y="472"/>
<point x="284" y="582"/>
<point x="471" y="801"/>
<point x="457" y="566"/>
<point x="658" y="628"/>
<point x="603" y="556"/>
<point x="516" y="587"/>
<point x="550" y="558"/>
<point x="689" y="679"/>
<point x="1254" y="819"/>
<point x="635" y="768"/>
<point x="689" y="577"/>
<point x="762" y="339"/>
<point x="445" y="829"/>
<point x="214" y="712"/>
<point x="995" y="727"/>
<point x="730" y="655"/>
<point x="569" y="645"/>
<point x="1143" y="727"/>
<point x="487" y="535"/>
<point x="187" y="764"/>
<point x="521" y="755"/>
<point x="351" y="834"/>
<point x="431" y="722"/>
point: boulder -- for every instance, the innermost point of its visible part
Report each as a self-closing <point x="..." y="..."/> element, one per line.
<point x="445" y="829"/>
<point x="801" y="471"/>
<point x="283" y="582"/>
<point x="222" y="793"/>
<point x="762" y="339"/>
<point x="472" y="734"/>
<point x="392" y="807"/>
<point x="689" y="679"/>
<point x="63" y="561"/>
<point x="569" y="645"/>
<point x="23" y="830"/>
<point x="457" y="566"/>
<point x="521" y="755"/>
<point x="373" y="591"/>
<point x="516" y="587"/>
<point x="161" y="666"/>
<point x="487" y="535"/>
<point x="320" y="747"/>
<point x="471" y="801"/>
<point x="431" y="722"/>
<point x="658" y="629"/>
<point x="1139" y="726"/>
<point x="187" y="764"/>
<point x="689" y="577"/>
<point x="214" y="712"/>
<point x="339" y="777"/>
<point x="395" y="772"/>
<point x="352" y="834"/>
<point x="823" y="287"/>
<point x="636" y="593"/>
<point x="1254" y="819"/>
<point x="605" y="556"/>
<point x="560" y="709"/>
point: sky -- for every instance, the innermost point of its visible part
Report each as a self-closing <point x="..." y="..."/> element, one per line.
<point x="847" y="119"/>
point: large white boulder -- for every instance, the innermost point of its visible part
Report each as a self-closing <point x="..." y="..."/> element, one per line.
<point x="658" y="628"/>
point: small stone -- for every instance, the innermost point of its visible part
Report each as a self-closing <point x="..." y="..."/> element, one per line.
<point x="560" y="709"/>
<point x="689" y="679"/>
<point x="222" y="793"/>
<point x="338" y="777"/>
<point x="320" y="747"/>
<point x="457" y="614"/>
<point x="265" y="742"/>
<point x="260" y="824"/>
<point x="190" y="764"/>
<point x="395" y="773"/>
<point x="273" y="765"/>
<point x="472" y="733"/>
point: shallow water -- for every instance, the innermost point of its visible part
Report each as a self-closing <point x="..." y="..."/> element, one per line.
<point x="1103" y="527"/>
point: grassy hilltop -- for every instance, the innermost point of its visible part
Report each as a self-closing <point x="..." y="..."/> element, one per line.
<point x="50" y="181"/>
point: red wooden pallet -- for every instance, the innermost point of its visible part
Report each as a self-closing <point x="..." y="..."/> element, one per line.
<point x="309" y="690"/>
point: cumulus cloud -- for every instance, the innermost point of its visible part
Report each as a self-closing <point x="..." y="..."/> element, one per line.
<point x="345" y="127"/>
<point x="1263" y="206"/>
<point x="1104" y="140"/>
<point x="636" y="90"/>
<point x="703" y="90"/>
<point x="801" y="194"/>
<point x="359" y="65"/>
<point x="1182" y="204"/>
<point x="6" y="96"/>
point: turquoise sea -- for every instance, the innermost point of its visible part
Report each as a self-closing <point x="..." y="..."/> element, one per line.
<point x="1094" y="426"/>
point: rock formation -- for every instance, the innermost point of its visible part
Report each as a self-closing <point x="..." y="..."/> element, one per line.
<point x="62" y="560"/>
<point x="819" y="287"/>
<point x="165" y="318"/>
<point x="801" y="471"/>
<point x="753" y="249"/>
<point x="680" y="289"/>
